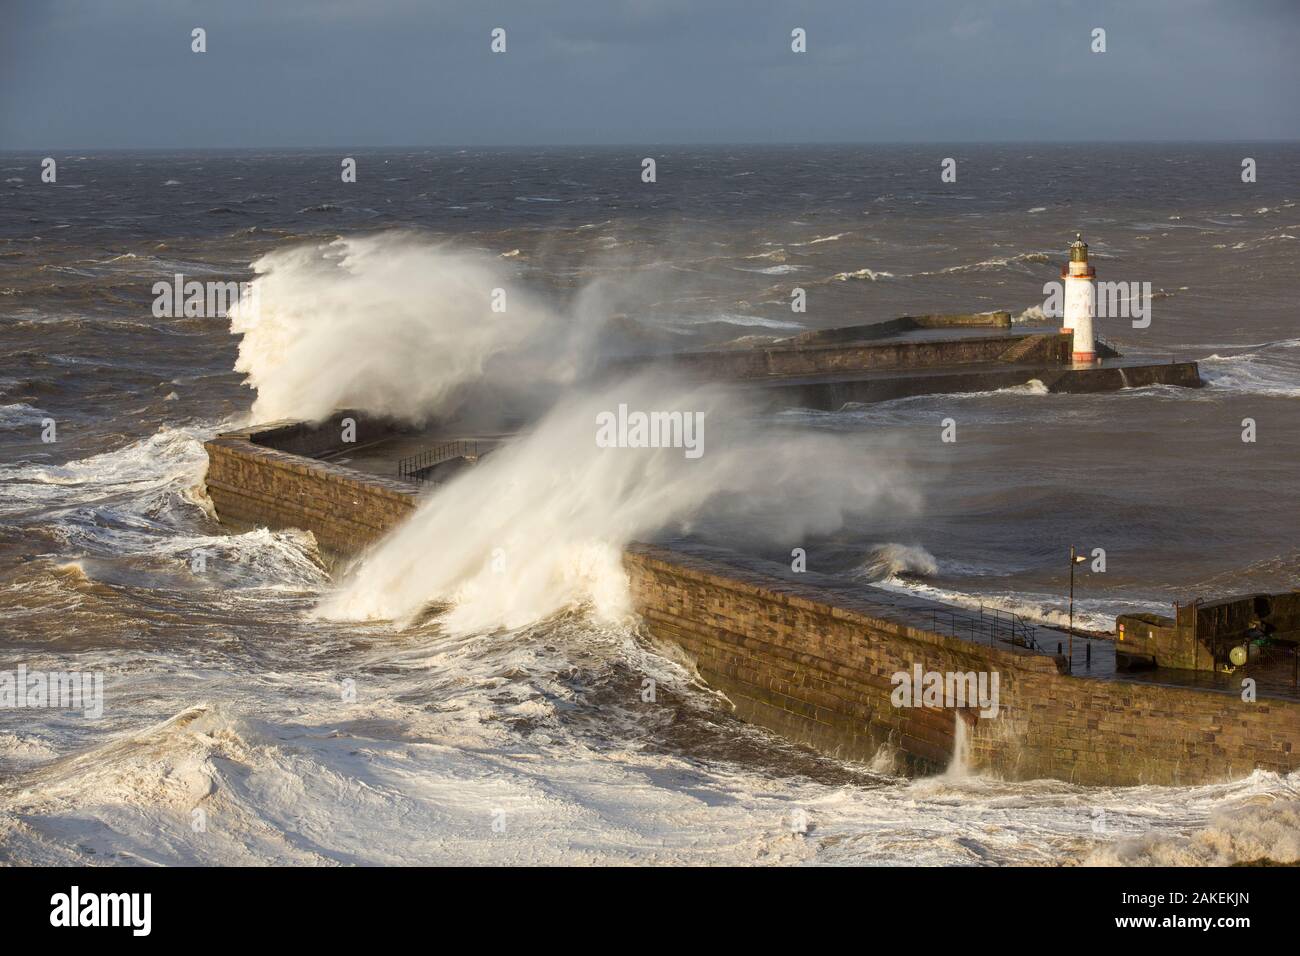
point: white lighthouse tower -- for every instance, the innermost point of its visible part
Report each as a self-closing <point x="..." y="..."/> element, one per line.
<point x="1080" y="301"/>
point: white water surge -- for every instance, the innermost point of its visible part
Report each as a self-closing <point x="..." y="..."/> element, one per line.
<point x="541" y="524"/>
<point x="391" y="324"/>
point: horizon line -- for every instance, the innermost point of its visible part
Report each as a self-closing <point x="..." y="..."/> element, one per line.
<point x="659" y="144"/>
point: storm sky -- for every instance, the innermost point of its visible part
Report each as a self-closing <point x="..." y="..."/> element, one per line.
<point x="121" y="74"/>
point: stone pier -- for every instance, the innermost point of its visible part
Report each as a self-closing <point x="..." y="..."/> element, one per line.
<point x="809" y="657"/>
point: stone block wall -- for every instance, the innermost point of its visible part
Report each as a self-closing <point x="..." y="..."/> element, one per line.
<point x="823" y="359"/>
<point x="254" y="486"/>
<point x="816" y="668"/>
<point x="899" y="326"/>
<point x="1084" y="380"/>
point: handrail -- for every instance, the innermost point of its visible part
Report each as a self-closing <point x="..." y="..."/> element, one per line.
<point x="992" y="624"/>
<point x="415" y="467"/>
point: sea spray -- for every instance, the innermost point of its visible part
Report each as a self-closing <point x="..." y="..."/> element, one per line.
<point x="959" y="766"/>
<point x="887" y="560"/>
<point x="392" y="324"/>
<point x="540" y="525"/>
<point x="395" y="325"/>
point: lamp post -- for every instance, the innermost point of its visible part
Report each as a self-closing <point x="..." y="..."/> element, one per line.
<point x="1075" y="558"/>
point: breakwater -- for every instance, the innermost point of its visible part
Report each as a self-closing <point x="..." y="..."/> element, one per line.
<point x="829" y="368"/>
<point x="867" y="356"/>
<point x="810" y="657"/>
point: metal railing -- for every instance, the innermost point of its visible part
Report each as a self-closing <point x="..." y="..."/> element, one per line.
<point x="416" y="468"/>
<point x="992" y="624"/>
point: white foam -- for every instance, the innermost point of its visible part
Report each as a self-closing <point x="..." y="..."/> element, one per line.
<point x="1259" y="821"/>
<point x="820" y="239"/>
<point x="868" y="274"/>
<point x="1019" y="262"/>
<point x="1089" y="614"/>
<point x="755" y="321"/>
<point x="20" y="414"/>
<point x="540" y="525"/>
<point x="1271" y="368"/>
<point x="390" y="323"/>
<point x="166" y="458"/>
<point x="780" y="270"/>
<point x="460" y="752"/>
<point x="888" y="560"/>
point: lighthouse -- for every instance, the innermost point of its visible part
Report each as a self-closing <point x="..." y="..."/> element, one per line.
<point x="1080" y="301"/>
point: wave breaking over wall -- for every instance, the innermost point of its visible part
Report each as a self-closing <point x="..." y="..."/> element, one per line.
<point x="540" y="525"/>
<point x="392" y="324"/>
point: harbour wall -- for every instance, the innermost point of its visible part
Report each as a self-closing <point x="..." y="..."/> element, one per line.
<point x="815" y="664"/>
<point x="252" y="484"/>
<point x="792" y="360"/>
<point x="831" y="394"/>
<point x="809" y="660"/>
<point x="901" y="326"/>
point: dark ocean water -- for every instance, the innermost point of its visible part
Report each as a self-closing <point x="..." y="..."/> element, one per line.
<point x="222" y="688"/>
